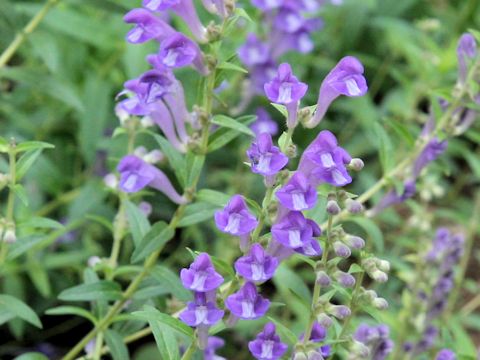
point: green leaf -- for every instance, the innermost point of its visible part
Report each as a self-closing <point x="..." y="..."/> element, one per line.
<point x="23" y="244"/>
<point x="154" y="240"/>
<point x="26" y="161"/>
<point x="194" y="165"/>
<point x="166" y="341"/>
<point x="282" y="109"/>
<point x="4" y="145"/>
<point x="39" y="277"/>
<point x="196" y="213"/>
<point x="72" y="310"/>
<point x="150" y="313"/>
<point x="175" y="159"/>
<point x="285" y="333"/>
<point x="213" y="197"/>
<point x="32" y="145"/>
<point x="172" y="280"/>
<point x="355" y="268"/>
<point x="31" y="356"/>
<point x="230" y="66"/>
<point x="17" y="308"/>
<point x="118" y="349"/>
<point x="21" y="193"/>
<point x="41" y="223"/>
<point x="230" y="123"/>
<point x="100" y="290"/>
<point x="224" y="135"/>
<point x="385" y="148"/>
<point x="137" y="221"/>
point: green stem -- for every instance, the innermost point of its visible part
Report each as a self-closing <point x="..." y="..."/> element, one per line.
<point x="317" y="287"/>
<point x="22" y="35"/>
<point x="98" y="347"/>
<point x="12" y="159"/>
<point x="263" y="216"/>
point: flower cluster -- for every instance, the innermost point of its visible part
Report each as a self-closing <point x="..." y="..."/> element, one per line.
<point x="372" y="342"/>
<point x="462" y="119"/>
<point x="288" y="29"/>
<point x="156" y="96"/>
<point x="440" y="261"/>
<point x="202" y="312"/>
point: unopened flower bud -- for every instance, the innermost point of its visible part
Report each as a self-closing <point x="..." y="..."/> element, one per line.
<point x="339" y="311"/>
<point x="146" y="122"/>
<point x="356" y="164"/>
<point x="332" y="207"/>
<point x="359" y="350"/>
<point x="345" y="279"/>
<point x="93" y="260"/>
<point x="324" y="320"/>
<point x="341" y="249"/>
<point x="10" y="237"/>
<point x="140" y="151"/>
<point x="121" y="114"/>
<point x="383" y="265"/>
<point x="355" y="242"/>
<point x="153" y="157"/>
<point x="111" y="181"/>
<point x="314" y="355"/>
<point x="369" y="264"/>
<point x="370" y="295"/>
<point x="323" y="279"/>
<point x="145" y="207"/>
<point x="353" y="206"/>
<point x="380" y="303"/>
<point x="379" y="276"/>
<point x="300" y="356"/>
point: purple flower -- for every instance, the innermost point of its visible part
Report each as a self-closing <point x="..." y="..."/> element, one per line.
<point x="319" y="333"/>
<point x="147" y="26"/>
<point x="213" y="344"/>
<point x="293" y="230"/>
<point x="264" y="123"/>
<point x="136" y="174"/>
<point x="266" y="5"/>
<point x="235" y="219"/>
<point x="286" y="89"/>
<point x="446" y="354"/>
<point x="218" y="7"/>
<point x="265" y="158"/>
<point x="430" y="153"/>
<point x="246" y="303"/>
<point x="261" y="74"/>
<point x="177" y="50"/>
<point x="201" y="312"/>
<point x="297" y="194"/>
<point x="267" y="345"/>
<point x="346" y="78"/>
<point x="376" y="338"/>
<point x="393" y="197"/>
<point x="183" y="8"/>
<point x="323" y="161"/>
<point x="254" y="52"/>
<point x="201" y="275"/>
<point x="289" y="20"/>
<point x="256" y="266"/>
<point x="466" y="49"/>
